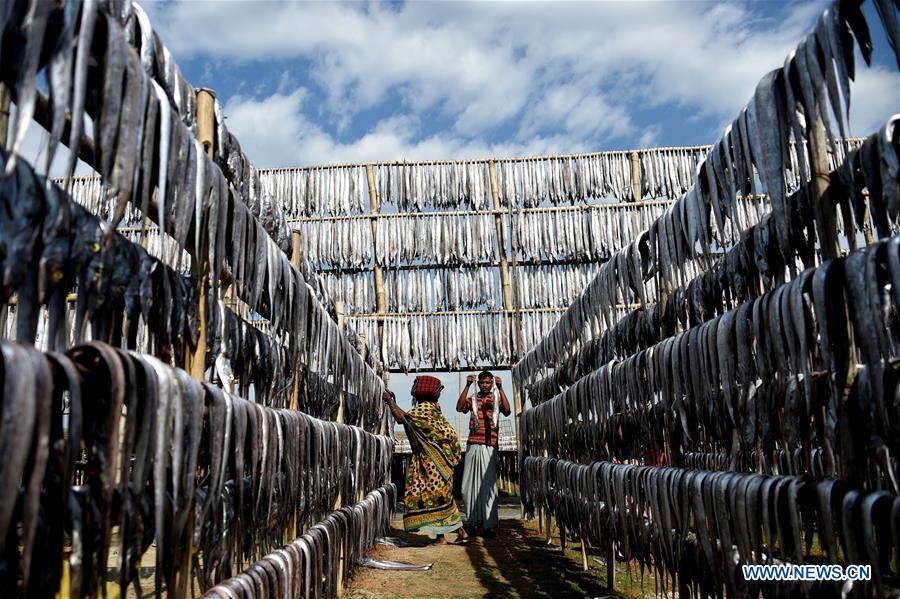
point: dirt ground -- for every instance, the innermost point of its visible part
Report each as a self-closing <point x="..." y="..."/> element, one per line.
<point x="516" y="563"/>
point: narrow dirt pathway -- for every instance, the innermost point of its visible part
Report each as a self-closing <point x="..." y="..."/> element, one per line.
<point x="515" y="563"/>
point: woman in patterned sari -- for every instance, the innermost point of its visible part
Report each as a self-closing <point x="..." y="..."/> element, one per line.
<point x="428" y="501"/>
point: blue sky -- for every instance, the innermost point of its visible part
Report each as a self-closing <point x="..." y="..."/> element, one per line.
<point x="323" y="82"/>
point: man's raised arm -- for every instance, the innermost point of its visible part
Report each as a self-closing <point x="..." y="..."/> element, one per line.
<point x="461" y="402"/>
<point x="504" y="403"/>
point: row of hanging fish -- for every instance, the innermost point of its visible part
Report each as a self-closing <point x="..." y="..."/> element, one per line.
<point x="314" y="191"/>
<point x="342" y="244"/>
<point x="434" y="351"/>
<point x="521" y="182"/>
<point x="552" y="286"/>
<point x="778" y="462"/>
<point x="466" y="239"/>
<point x="244" y="177"/>
<point x="754" y="262"/>
<point x="787" y="101"/>
<point x="746" y="270"/>
<point x="669" y="172"/>
<point x="565" y="179"/>
<point x="695" y="528"/>
<point x="159" y="246"/>
<point x="451" y="341"/>
<point x="665" y="173"/>
<point x="589" y="233"/>
<point x="310" y="566"/>
<point x="239" y="171"/>
<point x="187" y="465"/>
<point x="93" y="194"/>
<point x="145" y="154"/>
<point x="355" y="289"/>
<point x="429" y="290"/>
<point x="330" y="356"/>
<point x="55" y="246"/>
<point x="779" y="371"/>
<point x="414" y="187"/>
<point x="245" y="355"/>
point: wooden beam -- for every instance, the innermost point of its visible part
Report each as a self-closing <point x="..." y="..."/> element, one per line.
<point x="380" y="303"/>
<point x="823" y="209"/>
<point x="206" y="119"/>
<point x="339" y="308"/>
<point x="4" y="114"/>
<point x="611" y="567"/>
<point x="501" y="238"/>
<point x="296" y="257"/>
<point x="636" y="185"/>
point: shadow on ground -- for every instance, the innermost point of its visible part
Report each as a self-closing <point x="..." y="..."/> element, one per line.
<point x="519" y="563"/>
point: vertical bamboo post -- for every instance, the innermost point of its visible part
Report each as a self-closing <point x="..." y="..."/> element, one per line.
<point x="823" y="208"/>
<point x="636" y="184"/>
<point x="584" y="560"/>
<point x="611" y="566"/>
<point x="206" y="126"/>
<point x="196" y="363"/>
<point x="380" y="304"/>
<point x="513" y="310"/>
<point x="339" y="308"/>
<point x="562" y="538"/>
<point x="296" y="256"/>
<point x="501" y="238"/>
<point x="5" y="99"/>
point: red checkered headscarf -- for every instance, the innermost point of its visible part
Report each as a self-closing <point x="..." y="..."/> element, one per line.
<point x="427" y="387"/>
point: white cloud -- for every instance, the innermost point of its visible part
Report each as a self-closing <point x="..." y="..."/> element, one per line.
<point x="550" y="76"/>
<point x="874" y="96"/>
<point x="275" y="132"/>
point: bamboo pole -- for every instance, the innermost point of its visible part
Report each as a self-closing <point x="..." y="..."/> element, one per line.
<point x="339" y="308"/>
<point x="402" y="315"/>
<point x="4" y="114"/>
<point x="492" y="211"/>
<point x="296" y="257"/>
<point x="611" y="566"/>
<point x="436" y="266"/>
<point x="820" y="182"/>
<point x="200" y="265"/>
<point x="519" y="343"/>
<point x="584" y="560"/>
<point x="380" y="303"/>
<point x="636" y="185"/>
<point x="196" y="363"/>
<point x="703" y="148"/>
<point x="501" y="239"/>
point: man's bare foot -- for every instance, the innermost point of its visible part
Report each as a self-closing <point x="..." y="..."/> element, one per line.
<point x="462" y="535"/>
<point x="440" y="540"/>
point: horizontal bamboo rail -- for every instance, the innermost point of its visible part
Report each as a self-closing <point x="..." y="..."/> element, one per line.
<point x="485" y="161"/>
<point x="402" y="315"/>
<point x="501" y="212"/>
